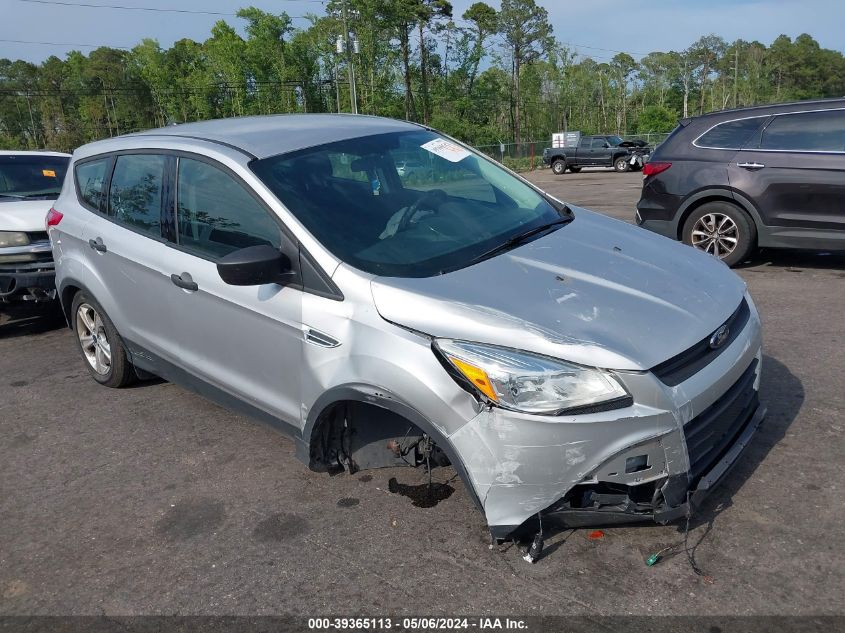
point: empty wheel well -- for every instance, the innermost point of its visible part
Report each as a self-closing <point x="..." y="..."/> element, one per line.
<point x="714" y="198"/>
<point x="352" y="435"/>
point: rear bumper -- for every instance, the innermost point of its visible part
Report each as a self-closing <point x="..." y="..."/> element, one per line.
<point x="666" y="228"/>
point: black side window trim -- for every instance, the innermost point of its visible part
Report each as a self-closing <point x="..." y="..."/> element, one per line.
<point x="329" y="289"/>
<point x="106" y="181"/>
<point x="283" y="230"/>
<point x="775" y="117"/>
<point x="162" y="195"/>
<point x="745" y="145"/>
<point x="104" y="210"/>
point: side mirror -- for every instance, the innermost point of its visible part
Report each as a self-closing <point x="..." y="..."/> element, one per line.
<point x="254" y="266"/>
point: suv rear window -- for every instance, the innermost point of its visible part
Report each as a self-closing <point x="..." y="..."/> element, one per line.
<point x="730" y="134"/>
<point x="807" y="131"/>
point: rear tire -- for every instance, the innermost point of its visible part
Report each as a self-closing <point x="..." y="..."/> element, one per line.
<point x="621" y="165"/>
<point x="99" y="343"/>
<point x="575" y="170"/>
<point x="721" y="229"/>
<point x="558" y="167"/>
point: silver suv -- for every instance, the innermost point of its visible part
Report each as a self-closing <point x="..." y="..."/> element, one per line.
<point x="566" y="364"/>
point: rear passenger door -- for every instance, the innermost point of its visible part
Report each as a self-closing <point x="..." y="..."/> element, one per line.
<point x="244" y="340"/>
<point x="126" y="250"/>
<point x="794" y="169"/>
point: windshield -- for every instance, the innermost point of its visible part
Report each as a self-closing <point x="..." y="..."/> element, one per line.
<point x="404" y="204"/>
<point x="31" y="177"/>
<point x="614" y="141"/>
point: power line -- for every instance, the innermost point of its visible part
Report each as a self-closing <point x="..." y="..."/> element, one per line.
<point x="125" y="7"/>
<point x="598" y="48"/>
<point x="87" y="5"/>
<point x="65" y="44"/>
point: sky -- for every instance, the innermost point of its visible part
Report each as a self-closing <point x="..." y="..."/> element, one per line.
<point x="590" y="27"/>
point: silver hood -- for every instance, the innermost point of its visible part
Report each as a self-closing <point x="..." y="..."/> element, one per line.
<point x="597" y="291"/>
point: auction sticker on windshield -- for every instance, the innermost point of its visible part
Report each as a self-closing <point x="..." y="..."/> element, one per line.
<point x="446" y="149"/>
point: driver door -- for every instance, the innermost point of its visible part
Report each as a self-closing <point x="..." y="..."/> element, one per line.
<point x="602" y="152"/>
<point x="244" y="340"/>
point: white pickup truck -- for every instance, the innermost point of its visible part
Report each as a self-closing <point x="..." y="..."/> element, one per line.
<point x="29" y="182"/>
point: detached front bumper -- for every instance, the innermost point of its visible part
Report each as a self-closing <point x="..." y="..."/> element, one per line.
<point x="652" y="461"/>
<point x="27" y="273"/>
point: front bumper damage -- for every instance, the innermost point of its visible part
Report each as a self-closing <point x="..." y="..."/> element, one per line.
<point x="27" y="273"/>
<point x="653" y="461"/>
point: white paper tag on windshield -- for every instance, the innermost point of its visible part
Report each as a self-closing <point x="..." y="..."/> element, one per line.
<point x="446" y="149"/>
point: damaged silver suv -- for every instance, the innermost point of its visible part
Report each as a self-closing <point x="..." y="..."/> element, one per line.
<point x="567" y="365"/>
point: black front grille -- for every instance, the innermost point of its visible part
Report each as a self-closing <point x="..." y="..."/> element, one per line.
<point x="710" y="434"/>
<point x="689" y="362"/>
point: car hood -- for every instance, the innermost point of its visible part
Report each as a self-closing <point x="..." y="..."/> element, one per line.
<point x="24" y="215"/>
<point x="597" y="291"/>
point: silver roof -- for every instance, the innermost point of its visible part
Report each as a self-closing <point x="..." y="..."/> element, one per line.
<point x="264" y="136"/>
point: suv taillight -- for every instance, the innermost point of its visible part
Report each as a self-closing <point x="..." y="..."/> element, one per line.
<point x="53" y="218"/>
<point x="652" y="169"/>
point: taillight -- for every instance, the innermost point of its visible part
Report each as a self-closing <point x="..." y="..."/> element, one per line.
<point x="53" y="218"/>
<point x="652" y="169"/>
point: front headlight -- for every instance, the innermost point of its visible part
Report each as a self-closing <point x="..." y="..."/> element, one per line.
<point x="530" y="383"/>
<point x="12" y="238"/>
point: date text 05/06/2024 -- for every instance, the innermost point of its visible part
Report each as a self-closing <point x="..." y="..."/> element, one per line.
<point x="417" y="624"/>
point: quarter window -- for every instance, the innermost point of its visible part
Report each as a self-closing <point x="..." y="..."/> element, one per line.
<point x="731" y="134"/>
<point x="135" y="192"/>
<point x="90" y="177"/>
<point x="216" y="215"/>
<point x="808" y="131"/>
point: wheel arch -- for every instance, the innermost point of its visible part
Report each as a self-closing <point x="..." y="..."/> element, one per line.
<point x="67" y="290"/>
<point x="715" y="195"/>
<point x="382" y="398"/>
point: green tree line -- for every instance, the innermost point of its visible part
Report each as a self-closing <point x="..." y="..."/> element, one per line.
<point x="485" y="76"/>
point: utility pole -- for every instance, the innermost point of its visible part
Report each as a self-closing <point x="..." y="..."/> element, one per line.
<point x="350" y="46"/>
<point x="736" y="68"/>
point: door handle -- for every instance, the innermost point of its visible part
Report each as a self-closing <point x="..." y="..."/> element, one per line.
<point x="751" y="166"/>
<point x="98" y="245"/>
<point x="184" y="281"/>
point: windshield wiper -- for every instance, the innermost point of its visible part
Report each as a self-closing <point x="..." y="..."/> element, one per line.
<point x="518" y="239"/>
<point x="30" y="196"/>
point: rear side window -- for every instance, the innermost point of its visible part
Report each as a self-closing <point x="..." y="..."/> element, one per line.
<point x="808" y="131"/>
<point x="731" y="134"/>
<point x="90" y="178"/>
<point x="135" y="192"/>
<point x="216" y="215"/>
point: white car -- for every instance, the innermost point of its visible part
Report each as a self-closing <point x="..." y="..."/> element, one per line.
<point x="29" y="182"/>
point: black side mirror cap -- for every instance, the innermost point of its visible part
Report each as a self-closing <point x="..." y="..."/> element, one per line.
<point x="256" y="265"/>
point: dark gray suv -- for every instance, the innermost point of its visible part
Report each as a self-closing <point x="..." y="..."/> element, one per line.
<point x="771" y="176"/>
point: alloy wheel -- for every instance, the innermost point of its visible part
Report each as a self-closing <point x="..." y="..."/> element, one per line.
<point x="715" y="233"/>
<point x="93" y="339"/>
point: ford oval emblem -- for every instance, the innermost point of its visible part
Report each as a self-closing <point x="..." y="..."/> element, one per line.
<point x="719" y="337"/>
